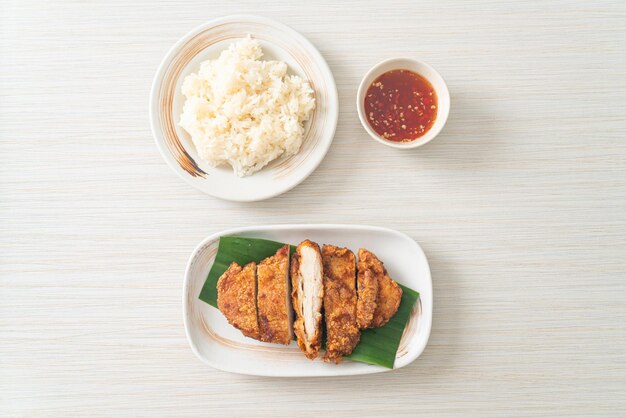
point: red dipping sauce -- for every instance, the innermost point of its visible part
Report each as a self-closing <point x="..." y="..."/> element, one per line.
<point x="401" y="105"/>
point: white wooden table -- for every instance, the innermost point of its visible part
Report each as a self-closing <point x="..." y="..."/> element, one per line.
<point x="520" y="206"/>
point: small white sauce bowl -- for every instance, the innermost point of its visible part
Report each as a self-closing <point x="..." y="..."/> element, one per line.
<point x="426" y="71"/>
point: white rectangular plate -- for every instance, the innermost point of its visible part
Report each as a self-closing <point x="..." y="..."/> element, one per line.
<point x="223" y="347"/>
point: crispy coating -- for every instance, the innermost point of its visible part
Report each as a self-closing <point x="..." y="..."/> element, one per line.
<point x="367" y="284"/>
<point x="273" y="299"/>
<point x="340" y="299"/>
<point x="388" y="301"/>
<point x="307" y="300"/>
<point x="236" y="290"/>
<point x="389" y="293"/>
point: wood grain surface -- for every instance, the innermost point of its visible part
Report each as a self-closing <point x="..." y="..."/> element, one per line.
<point x="520" y="205"/>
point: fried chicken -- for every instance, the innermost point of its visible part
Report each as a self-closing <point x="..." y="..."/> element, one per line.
<point x="273" y="299"/>
<point x="257" y="299"/>
<point x="236" y="290"/>
<point x="340" y="300"/>
<point x="388" y="296"/>
<point x="308" y="291"/>
<point x="367" y="284"/>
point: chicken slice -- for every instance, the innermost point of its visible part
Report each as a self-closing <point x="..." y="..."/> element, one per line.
<point x="367" y="284"/>
<point x="388" y="301"/>
<point x="273" y="298"/>
<point x="340" y="299"/>
<point x="308" y="291"/>
<point x="236" y="292"/>
<point x="389" y="292"/>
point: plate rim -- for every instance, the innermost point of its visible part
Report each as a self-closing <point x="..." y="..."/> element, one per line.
<point x="318" y="59"/>
<point x="416" y="352"/>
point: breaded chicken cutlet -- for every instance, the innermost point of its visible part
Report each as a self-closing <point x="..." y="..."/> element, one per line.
<point x="326" y="286"/>
<point x="340" y="300"/>
<point x="236" y="292"/>
<point x="388" y="292"/>
<point x="367" y="291"/>
<point x="274" y="298"/>
<point x="307" y="281"/>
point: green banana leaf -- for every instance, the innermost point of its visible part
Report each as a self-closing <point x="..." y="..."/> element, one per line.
<point x="377" y="346"/>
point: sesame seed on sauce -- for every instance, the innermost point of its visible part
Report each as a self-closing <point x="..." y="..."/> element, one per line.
<point x="401" y="105"/>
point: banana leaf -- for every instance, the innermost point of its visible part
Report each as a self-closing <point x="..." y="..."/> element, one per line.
<point x="377" y="346"/>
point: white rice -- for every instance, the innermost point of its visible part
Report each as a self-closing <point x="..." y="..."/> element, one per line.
<point x="244" y="111"/>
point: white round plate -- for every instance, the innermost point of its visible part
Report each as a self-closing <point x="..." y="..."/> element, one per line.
<point x="279" y="42"/>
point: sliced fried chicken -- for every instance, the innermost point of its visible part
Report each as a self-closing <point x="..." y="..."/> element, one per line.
<point x="388" y="301"/>
<point x="273" y="298"/>
<point x="236" y="292"/>
<point x="389" y="292"/>
<point x="307" y="282"/>
<point x="367" y="284"/>
<point x="340" y="300"/>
